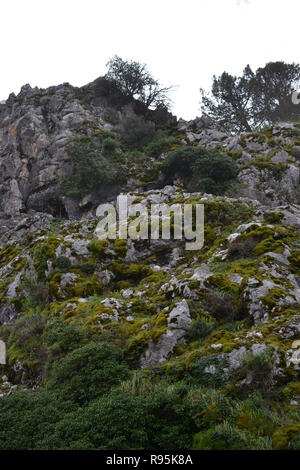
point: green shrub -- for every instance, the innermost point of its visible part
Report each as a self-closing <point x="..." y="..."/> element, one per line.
<point x="201" y="328"/>
<point x="224" y="305"/>
<point x="155" y="419"/>
<point x="202" y="169"/>
<point x="114" y="421"/>
<point x="143" y="413"/>
<point x="36" y="294"/>
<point x="91" y="170"/>
<point x="259" y="369"/>
<point x="88" y="372"/>
<point x="42" y="254"/>
<point x="135" y="131"/>
<point x="97" y="247"/>
<point x="63" y="263"/>
<point x="109" y="146"/>
<point x="61" y="338"/>
<point x="169" y="423"/>
<point x="224" y="436"/>
<point x="123" y="420"/>
<point x="287" y="437"/>
<point x="159" y="145"/>
<point x="27" y="417"/>
<point x="200" y="370"/>
<point x="134" y="272"/>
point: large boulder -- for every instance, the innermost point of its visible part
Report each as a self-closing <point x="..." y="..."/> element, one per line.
<point x="178" y="323"/>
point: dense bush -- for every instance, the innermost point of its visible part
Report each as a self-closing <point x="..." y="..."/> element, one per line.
<point x="158" y="418"/>
<point x="201" y="328"/>
<point x="160" y="144"/>
<point x="124" y="420"/>
<point x="109" y="146"/>
<point x="242" y="247"/>
<point x="221" y="436"/>
<point x="26" y="417"/>
<point x="135" y="131"/>
<point x="91" y="170"/>
<point x="224" y="305"/>
<point x="36" y="294"/>
<point x="105" y="92"/>
<point x="144" y="414"/>
<point x="170" y="424"/>
<point x="87" y="372"/>
<point x="134" y="80"/>
<point x="201" y="169"/>
<point x="258" y="371"/>
<point x="23" y="340"/>
<point x="114" y="421"/>
<point x="63" y="263"/>
<point x="200" y="371"/>
<point x="61" y="338"/>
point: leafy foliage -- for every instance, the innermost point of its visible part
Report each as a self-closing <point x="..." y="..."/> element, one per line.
<point x="109" y="145"/>
<point x="61" y="338"/>
<point x="31" y="416"/>
<point x="201" y="328"/>
<point x="201" y="169"/>
<point x="140" y="414"/>
<point x="160" y="144"/>
<point x="87" y="372"/>
<point x="255" y="99"/>
<point x="62" y="262"/>
<point x="135" y="81"/>
<point x="136" y="131"/>
<point x="91" y="170"/>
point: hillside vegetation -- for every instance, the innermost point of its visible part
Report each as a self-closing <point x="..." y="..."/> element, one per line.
<point x="142" y="344"/>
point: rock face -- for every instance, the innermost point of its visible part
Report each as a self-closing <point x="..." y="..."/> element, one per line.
<point x="35" y="127"/>
<point x="178" y="323"/>
<point x="268" y="163"/>
<point x="37" y="124"/>
<point x="201" y="274"/>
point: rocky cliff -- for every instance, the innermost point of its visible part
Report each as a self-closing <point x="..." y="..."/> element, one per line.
<point x="221" y="324"/>
<point x="35" y="128"/>
<point x="37" y="125"/>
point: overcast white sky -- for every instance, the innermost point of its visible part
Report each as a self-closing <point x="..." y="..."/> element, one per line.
<point x="184" y="42"/>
